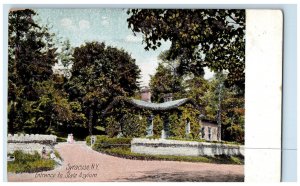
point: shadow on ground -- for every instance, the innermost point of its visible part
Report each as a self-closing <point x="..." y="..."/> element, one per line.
<point x="209" y="176"/>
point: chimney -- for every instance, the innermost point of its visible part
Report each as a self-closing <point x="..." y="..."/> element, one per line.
<point x="168" y="97"/>
<point x="146" y="94"/>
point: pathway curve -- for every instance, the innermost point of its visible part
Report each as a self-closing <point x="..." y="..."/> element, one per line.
<point x="89" y="165"/>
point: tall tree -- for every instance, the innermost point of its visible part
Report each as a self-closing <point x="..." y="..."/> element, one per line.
<point x="32" y="54"/>
<point x="226" y="107"/>
<point x="99" y="74"/>
<point x="66" y="57"/>
<point x="199" y="37"/>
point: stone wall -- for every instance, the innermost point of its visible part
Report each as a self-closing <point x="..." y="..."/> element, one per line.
<point x="183" y="148"/>
<point x="30" y="143"/>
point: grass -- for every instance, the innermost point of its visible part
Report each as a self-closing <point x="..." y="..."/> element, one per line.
<point x="126" y="153"/>
<point x="29" y="163"/>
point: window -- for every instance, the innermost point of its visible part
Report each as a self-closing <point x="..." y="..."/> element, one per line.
<point x="203" y="132"/>
<point x="209" y="133"/>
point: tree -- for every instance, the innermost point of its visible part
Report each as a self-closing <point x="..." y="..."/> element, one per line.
<point x="31" y="55"/>
<point x="226" y="106"/>
<point x="199" y="38"/>
<point x="66" y="58"/>
<point x="164" y="82"/>
<point x="99" y="74"/>
<point x="50" y="110"/>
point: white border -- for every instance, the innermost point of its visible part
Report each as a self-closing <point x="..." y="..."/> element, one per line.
<point x="264" y="31"/>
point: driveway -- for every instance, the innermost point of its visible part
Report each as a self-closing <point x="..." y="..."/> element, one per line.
<point x="83" y="164"/>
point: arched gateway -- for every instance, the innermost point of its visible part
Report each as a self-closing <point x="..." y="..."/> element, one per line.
<point x="208" y="132"/>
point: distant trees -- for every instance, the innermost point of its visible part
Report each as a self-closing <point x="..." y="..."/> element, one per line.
<point x="220" y="104"/>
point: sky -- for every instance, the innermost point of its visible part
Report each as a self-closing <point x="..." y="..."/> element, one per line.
<point x="103" y="25"/>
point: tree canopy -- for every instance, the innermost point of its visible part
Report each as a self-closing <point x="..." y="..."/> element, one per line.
<point x="31" y="55"/>
<point x="100" y="73"/>
<point x="199" y="38"/>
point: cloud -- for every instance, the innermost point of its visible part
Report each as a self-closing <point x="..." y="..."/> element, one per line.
<point x="67" y="23"/>
<point x="134" y="39"/>
<point x="84" y="24"/>
<point x="104" y="20"/>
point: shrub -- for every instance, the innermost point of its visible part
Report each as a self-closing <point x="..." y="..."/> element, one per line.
<point x="157" y="126"/>
<point x="104" y="142"/>
<point x="61" y="139"/>
<point x="131" y="124"/>
<point x="30" y="163"/>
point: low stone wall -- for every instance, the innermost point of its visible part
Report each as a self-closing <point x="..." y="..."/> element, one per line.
<point x="183" y="148"/>
<point x="30" y="143"/>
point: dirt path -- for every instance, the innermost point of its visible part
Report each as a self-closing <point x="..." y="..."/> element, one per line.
<point x="89" y="165"/>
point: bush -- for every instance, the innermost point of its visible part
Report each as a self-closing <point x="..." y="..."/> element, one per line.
<point x="29" y="163"/>
<point x="104" y="142"/>
<point x="132" y="124"/>
<point x="61" y="139"/>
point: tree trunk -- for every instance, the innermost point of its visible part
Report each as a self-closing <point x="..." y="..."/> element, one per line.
<point x="91" y="121"/>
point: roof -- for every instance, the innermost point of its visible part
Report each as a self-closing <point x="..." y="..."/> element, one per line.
<point x="152" y="106"/>
<point x="158" y="106"/>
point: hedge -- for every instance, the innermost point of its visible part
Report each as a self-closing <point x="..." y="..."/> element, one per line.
<point x="104" y="142"/>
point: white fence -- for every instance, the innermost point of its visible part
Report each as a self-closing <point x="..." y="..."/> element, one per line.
<point x="183" y="148"/>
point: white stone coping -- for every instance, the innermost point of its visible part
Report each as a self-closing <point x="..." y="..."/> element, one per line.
<point x="31" y="138"/>
<point x="145" y="141"/>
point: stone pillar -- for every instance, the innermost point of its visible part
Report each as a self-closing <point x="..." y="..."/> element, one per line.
<point x="165" y="131"/>
<point x="150" y="126"/>
<point x="187" y="127"/>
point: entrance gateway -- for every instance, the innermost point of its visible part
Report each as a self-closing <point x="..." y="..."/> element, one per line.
<point x="208" y="130"/>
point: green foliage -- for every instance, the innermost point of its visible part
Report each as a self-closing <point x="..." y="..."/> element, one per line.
<point x="51" y="107"/>
<point x="164" y="81"/>
<point x="99" y="74"/>
<point x="36" y="100"/>
<point x="126" y="121"/>
<point x="65" y="57"/>
<point x="61" y="139"/>
<point x="29" y="163"/>
<point x="104" y="142"/>
<point x="232" y="108"/>
<point x="199" y="38"/>
<point x="177" y="128"/>
<point x="157" y="126"/>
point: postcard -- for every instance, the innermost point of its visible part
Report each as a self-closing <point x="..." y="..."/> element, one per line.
<point x="144" y="95"/>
